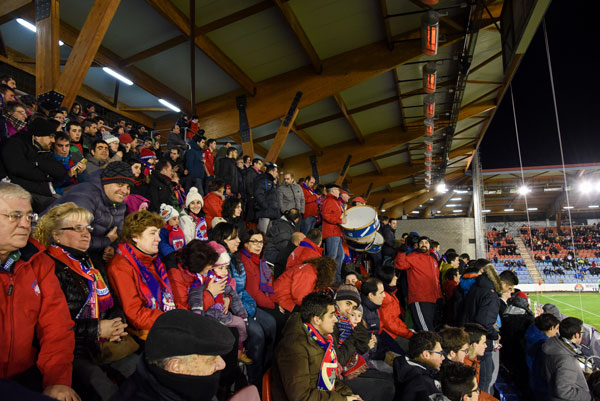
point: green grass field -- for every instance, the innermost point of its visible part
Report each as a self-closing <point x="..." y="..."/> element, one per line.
<point x="571" y="305"/>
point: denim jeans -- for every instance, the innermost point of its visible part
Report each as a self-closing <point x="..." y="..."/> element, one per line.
<point x="308" y="223"/>
<point x="335" y="250"/>
<point x="261" y="339"/>
<point x="486" y="372"/>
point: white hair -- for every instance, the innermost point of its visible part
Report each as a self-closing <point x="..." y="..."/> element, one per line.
<point x="13" y="191"/>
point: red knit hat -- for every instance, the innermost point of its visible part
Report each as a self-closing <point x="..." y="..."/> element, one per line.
<point x="125" y="139"/>
<point x="147" y="154"/>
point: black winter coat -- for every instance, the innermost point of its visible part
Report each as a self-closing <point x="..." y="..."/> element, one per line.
<point x="280" y="232"/>
<point x="482" y="304"/>
<point x="249" y="178"/>
<point x="91" y="196"/>
<point x="266" y="197"/>
<point x="29" y="167"/>
<point x="229" y="173"/>
<point x="76" y="291"/>
<point x="414" y="381"/>
<point x="160" y="190"/>
<point x="388" y="241"/>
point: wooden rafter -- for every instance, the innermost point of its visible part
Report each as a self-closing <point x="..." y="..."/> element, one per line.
<point x="485" y="62"/>
<point x="47" y="53"/>
<point x="307" y="139"/>
<point x="294" y="24"/>
<point x="8" y="7"/>
<point x="342" y="105"/>
<point x="177" y="18"/>
<point x="154" y="50"/>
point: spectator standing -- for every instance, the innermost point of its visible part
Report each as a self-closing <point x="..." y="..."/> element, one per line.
<point x="29" y="162"/>
<point x="176" y="139"/>
<point x="266" y="197"/>
<point x="251" y="173"/>
<point x="545" y="326"/>
<point x="31" y="299"/>
<point x="311" y="209"/>
<point x="209" y="161"/>
<point x="332" y="213"/>
<point x="279" y="233"/>
<point x="563" y="363"/>
<point x="291" y="195"/>
<point x="423" y="284"/>
<point x="388" y="232"/>
<point x="391" y="313"/>
<point x="160" y="187"/>
<point x="228" y="171"/>
<point x="194" y="163"/>
<point x="221" y="153"/>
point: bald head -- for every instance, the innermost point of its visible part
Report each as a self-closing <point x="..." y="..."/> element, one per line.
<point x="297" y="237"/>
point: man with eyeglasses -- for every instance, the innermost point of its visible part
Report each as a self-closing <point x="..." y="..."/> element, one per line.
<point x="33" y="308"/>
<point x="29" y="163"/>
<point x="417" y="374"/>
<point x="12" y="121"/>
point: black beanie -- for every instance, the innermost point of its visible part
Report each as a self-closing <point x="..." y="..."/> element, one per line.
<point x="182" y="332"/>
<point x="41" y="127"/>
<point x="117" y="172"/>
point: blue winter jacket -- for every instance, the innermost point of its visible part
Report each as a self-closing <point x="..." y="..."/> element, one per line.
<point x="240" y="286"/>
<point x="534" y="357"/>
<point x="194" y="162"/>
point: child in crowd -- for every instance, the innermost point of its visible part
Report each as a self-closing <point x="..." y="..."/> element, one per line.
<point x="171" y="236"/>
<point x="224" y="304"/>
<point x="192" y="219"/>
<point x="148" y="157"/>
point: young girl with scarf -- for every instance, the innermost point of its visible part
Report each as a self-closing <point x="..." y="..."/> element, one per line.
<point x="171" y="236"/>
<point x="192" y="221"/>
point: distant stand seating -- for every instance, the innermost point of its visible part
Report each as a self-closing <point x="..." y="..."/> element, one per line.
<point x="504" y="254"/>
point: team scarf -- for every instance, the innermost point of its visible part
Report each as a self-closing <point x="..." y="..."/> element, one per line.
<point x="158" y="294"/>
<point x="329" y="365"/>
<point x="356" y="364"/>
<point x="15" y="122"/>
<point x="266" y="279"/>
<point x="212" y="276"/>
<point x="201" y="227"/>
<point x="309" y="245"/>
<point x="99" y="298"/>
<point x="176" y="237"/>
<point x="179" y="195"/>
<point x="309" y="189"/>
<point x="344" y="325"/>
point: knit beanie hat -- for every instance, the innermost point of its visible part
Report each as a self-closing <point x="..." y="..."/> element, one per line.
<point x="193" y="195"/>
<point x="42" y="127"/>
<point x="117" y="173"/>
<point x="167" y="212"/>
<point x="109" y="138"/>
<point x="125" y="138"/>
<point x="347" y="292"/>
<point x="224" y="258"/>
<point x="146" y="154"/>
<point x="183" y="332"/>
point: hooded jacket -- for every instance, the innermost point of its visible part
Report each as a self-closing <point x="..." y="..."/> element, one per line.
<point x="460" y="293"/>
<point x="311" y="209"/>
<point x="563" y="372"/>
<point x="482" y="304"/>
<point x="422" y="273"/>
<point x="534" y="358"/>
<point x="390" y="316"/>
<point x="306" y="250"/>
<point x="415" y="380"/>
<point x="91" y="196"/>
<point x="193" y="161"/>
<point x="30" y="167"/>
<point x="516" y="319"/>
<point x="213" y="207"/>
<point x="229" y="173"/>
<point x="266" y="197"/>
<point x="389" y="236"/>
<point x="294" y="284"/>
<point x="160" y="190"/>
<point x="278" y="235"/>
<point x="331" y="213"/>
<point x="297" y="365"/>
<point x="33" y="309"/>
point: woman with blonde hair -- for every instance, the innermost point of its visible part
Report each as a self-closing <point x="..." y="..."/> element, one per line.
<point x="138" y="275"/>
<point x="66" y="232"/>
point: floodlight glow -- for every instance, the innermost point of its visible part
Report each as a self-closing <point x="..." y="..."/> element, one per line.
<point x="415" y="212"/>
<point x="455" y="199"/>
<point x="509" y="210"/>
<point x="441" y="188"/>
<point x="430" y="199"/>
<point x="568" y="207"/>
<point x="523" y="190"/>
<point x="594" y="206"/>
<point x="461" y="192"/>
<point x="32" y="28"/>
<point x="451" y="205"/>
<point x="457" y="211"/>
<point x="383" y="210"/>
<point x="586" y="187"/>
<point x="552" y="189"/>
<point x="532" y="209"/>
<point x="117" y="75"/>
<point x="485" y="211"/>
<point x="176" y="109"/>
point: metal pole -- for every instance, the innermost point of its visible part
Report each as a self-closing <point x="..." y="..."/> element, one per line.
<point x="480" y="244"/>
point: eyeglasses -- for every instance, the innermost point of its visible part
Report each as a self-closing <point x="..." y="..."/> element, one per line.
<point x="254" y="241"/>
<point x="17" y="216"/>
<point x="437" y="352"/>
<point x="477" y="390"/>
<point x="78" y="229"/>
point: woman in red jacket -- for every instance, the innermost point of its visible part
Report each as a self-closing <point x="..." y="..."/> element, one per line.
<point x="213" y="202"/>
<point x="390" y="312"/>
<point x="137" y="274"/>
<point x="259" y="279"/>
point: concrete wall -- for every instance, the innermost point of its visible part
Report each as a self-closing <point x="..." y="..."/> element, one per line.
<point x="450" y="233"/>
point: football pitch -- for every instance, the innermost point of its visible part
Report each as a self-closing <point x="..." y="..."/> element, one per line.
<point x="571" y="304"/>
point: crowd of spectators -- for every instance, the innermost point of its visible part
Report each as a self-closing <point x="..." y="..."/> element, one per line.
<point x="194" y="272"/>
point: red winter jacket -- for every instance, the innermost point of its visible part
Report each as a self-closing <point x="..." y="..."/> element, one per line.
<point x="181" y="280"/>
<point x="294" y="284"/>
<point x="262" y="299"/>
<point x="311" y="209"/>
<point x="32" y="305"/>
<point x="303" y="253"/>
<point x="422" y="274"/>
<point x="331" y="213"/>
<point x="213" y="206"/>
<point x="390" y="317"/>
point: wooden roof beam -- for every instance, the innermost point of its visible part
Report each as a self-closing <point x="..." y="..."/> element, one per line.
<point x="306" y="139"/>
<point x="177" y="18"/>
<point x="47" y="53"/>
<point x="294" y="24"/>
<point x="9" y="7"/>
<point x="154" y="50"/>
<point x="342" y="105"/>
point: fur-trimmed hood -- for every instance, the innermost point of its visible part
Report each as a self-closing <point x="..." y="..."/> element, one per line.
<point x="490" y="271"/>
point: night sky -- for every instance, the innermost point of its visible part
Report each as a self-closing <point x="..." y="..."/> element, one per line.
<point x="573" y="40"/>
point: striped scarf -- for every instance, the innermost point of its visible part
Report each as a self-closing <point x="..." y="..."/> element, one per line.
<point x="356" y="364"/>
<point x="329" y="365"/>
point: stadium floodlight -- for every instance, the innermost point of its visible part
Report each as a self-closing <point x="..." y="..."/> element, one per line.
<point x="509" y="210"/>
<point x="383" y="210"/>
<point x="568" y="207"/>
<point x="485" y="211"/>
<point x="586" y="187"/>
<point x="32" y="27"/>
<point x="455" y="199"/>
<point x="430" y="199"/>
<point x="532" y="209"/>
<point x="415" y="212"/>
<point x="461" y="191"/>
<point x="451" y="205"/>
<point x="172" y="107"/>
<point x="594" y="206"/>
<point x="553" y="189"/>
<point x="441" y="188"/>
<point x="115" y="74"/>
<point x="457" y="211"/>
<point x="523" y="190"/>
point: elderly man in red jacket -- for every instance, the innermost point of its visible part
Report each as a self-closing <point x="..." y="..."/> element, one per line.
<point x="309" y="248"/>
<point x="33" y="307"/>
<point x="332" y="214"/>
<point x="422" y="272"/>
<point x="311" y="209"/>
